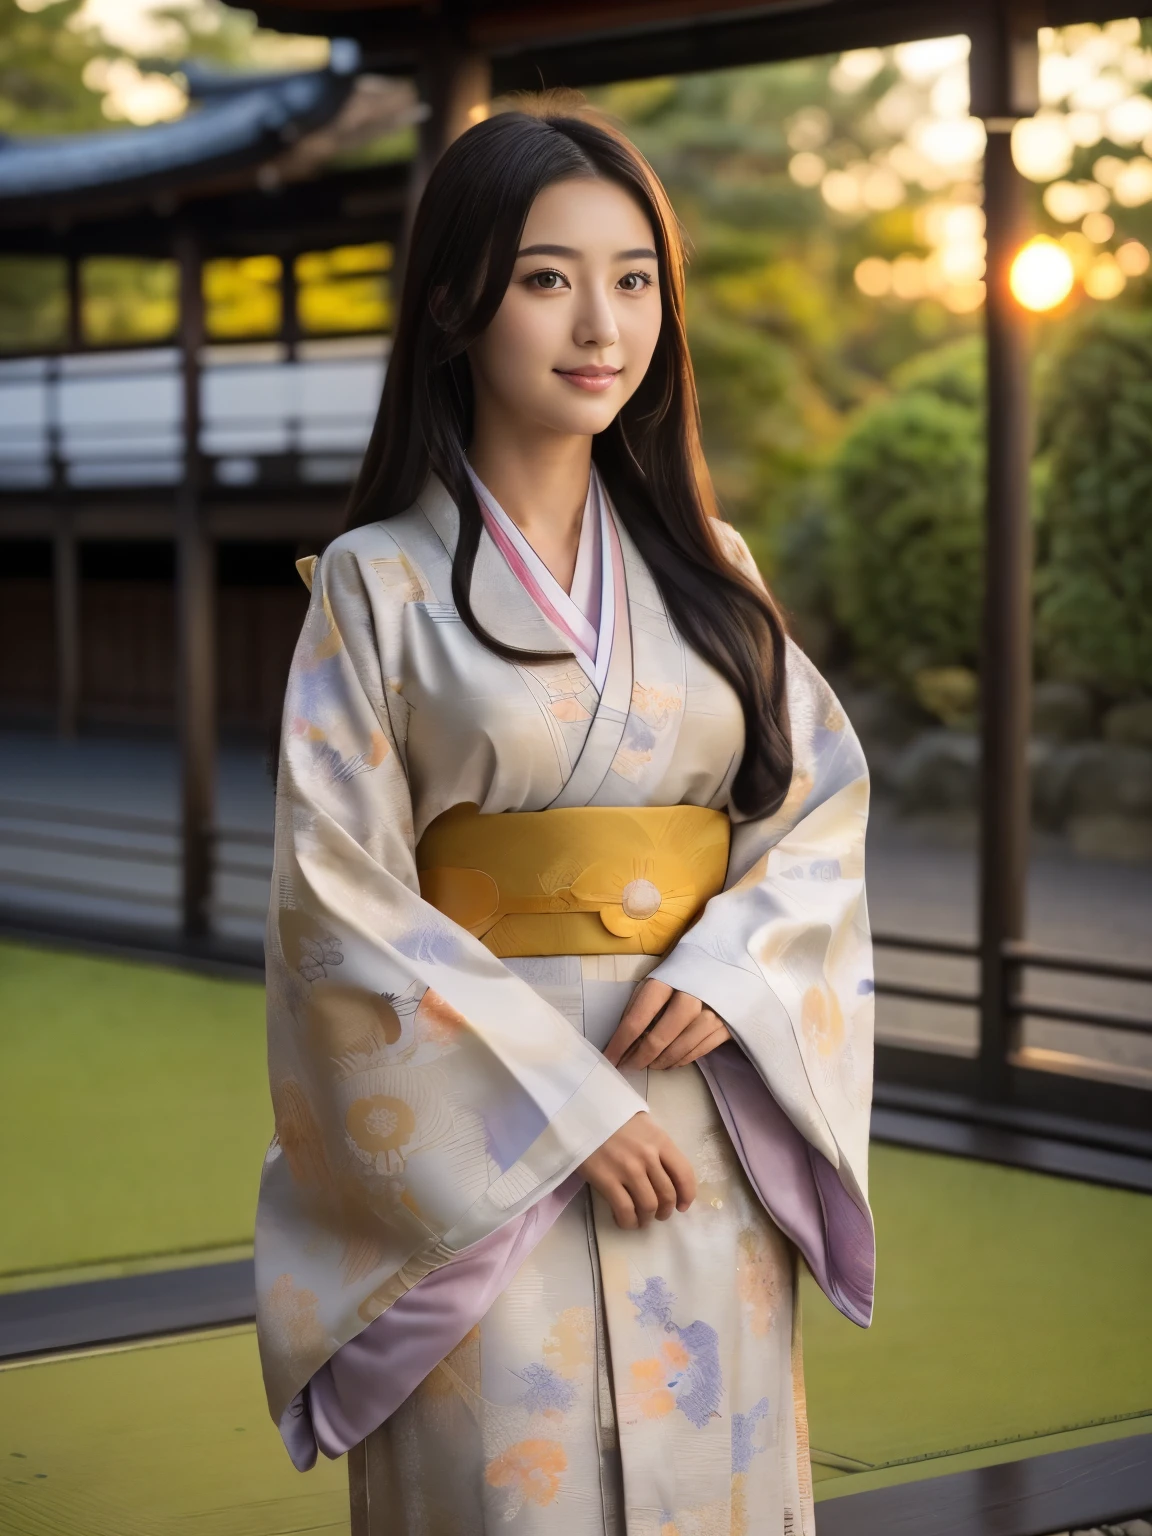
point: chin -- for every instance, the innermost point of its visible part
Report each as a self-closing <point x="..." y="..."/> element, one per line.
<point x="586" y="419"/>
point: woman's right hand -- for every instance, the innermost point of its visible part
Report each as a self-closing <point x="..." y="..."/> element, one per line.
<point x="641" y="1172"/>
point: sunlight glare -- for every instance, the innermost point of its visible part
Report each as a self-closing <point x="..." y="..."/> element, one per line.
<point x="1041" y="275"/>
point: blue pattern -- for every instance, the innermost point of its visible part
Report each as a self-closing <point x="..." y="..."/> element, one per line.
<point x="743" y="1428"/>
<point x="545" y="1389"/>
<point x="699" y="1385"/>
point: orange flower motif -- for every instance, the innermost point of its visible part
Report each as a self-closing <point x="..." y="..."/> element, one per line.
<point x="380" y="1124"/>
<point x="299" y="1134"/>
<point x="821" y="1020"/>
<point x="531" y="1468"/>
<point x="292" y="1320"/>
<point x="676" y="1357"/>
<point x="758" y="1280"/>
<point x="437" y="1018"/>
<point x="658" y="1405"/>
<point x="650" y="1378"/>
<point x="390" y="1112"/>
<point x="647" y="1373"/>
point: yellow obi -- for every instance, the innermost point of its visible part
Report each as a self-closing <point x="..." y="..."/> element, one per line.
<point x="592" y="880"/>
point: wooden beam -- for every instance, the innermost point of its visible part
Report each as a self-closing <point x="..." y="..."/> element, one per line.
<point x="195" y="618"/>
<point x="89" y="1313"/>
<point x="455" y="82"/>
<point x="1089" y="1486"/>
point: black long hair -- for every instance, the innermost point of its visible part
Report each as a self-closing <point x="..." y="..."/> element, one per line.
<point x="460" y="260"/>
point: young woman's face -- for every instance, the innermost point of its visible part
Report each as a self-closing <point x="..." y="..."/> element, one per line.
<point x="578" y="325"/>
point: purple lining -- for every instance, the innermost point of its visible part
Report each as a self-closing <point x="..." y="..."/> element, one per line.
<point x="797" y="1185"/>
<point x="368" y="1378"/>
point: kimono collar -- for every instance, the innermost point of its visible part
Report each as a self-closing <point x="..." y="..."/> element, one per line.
<point x="586" y="615"/>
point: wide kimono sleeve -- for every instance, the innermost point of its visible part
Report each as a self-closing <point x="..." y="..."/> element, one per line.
<point x="784" y="956"/>
<point x="423" y="1094"/>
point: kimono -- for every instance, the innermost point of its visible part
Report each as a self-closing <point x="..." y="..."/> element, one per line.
<point x="432" y="1271"/>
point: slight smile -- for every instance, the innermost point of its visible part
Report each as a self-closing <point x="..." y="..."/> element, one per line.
<point x="594" y="378"/>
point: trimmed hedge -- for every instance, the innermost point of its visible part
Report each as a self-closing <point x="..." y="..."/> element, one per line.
<point x="1095" y="585"/>
<point x="905" y="522"/>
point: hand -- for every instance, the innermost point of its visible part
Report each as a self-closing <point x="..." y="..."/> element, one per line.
<point x="686" y="1030"/>
<point x="641" y="1172"/>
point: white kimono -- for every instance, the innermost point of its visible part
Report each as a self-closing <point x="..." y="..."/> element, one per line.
<point x="427" y="1260"/>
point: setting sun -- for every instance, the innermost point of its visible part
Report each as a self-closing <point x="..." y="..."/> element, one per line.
<point x="1042" y="275"/>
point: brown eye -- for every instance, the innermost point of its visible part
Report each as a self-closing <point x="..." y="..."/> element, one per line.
<point x="633" y="282"/>
<point x="549" y="281"/>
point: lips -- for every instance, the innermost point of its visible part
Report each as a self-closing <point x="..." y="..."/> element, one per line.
<point x="592" y="377"/>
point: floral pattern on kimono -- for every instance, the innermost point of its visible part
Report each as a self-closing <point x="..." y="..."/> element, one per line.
<point x="433" y="1101"/>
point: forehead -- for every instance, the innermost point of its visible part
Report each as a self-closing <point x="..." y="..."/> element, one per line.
<point x="588" y="214"/>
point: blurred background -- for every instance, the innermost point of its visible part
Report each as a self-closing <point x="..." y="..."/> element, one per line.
<point x="202" y="210"/>
<point x="836" y="290"/>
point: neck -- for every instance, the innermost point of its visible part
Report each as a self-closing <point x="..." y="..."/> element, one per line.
<point x="541" y="481"/>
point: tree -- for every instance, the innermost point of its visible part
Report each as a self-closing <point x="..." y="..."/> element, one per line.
<point x="43" y="57"/>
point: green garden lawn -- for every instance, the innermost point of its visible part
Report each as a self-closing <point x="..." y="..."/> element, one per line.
<point x="159" y="1439"/>
<point x="134" y="1111"/>
<point x="1011" y="1317"/>
<point x="1011" y="1307"/>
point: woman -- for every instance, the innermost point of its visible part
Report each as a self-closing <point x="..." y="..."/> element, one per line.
<point x="546" y="1153"/>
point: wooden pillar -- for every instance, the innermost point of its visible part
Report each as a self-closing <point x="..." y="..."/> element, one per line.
<point x="1005" y="87"/>
<point x="65" y="553"/>
<point x="195" y="618"/>
<point x="66" y="602"/>
<point x="455" y="83"/>
<point x="290" y="334"/>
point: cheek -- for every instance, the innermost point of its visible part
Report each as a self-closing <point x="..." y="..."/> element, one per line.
<point x="520" y="342"/>
<point x="639" y="331"/>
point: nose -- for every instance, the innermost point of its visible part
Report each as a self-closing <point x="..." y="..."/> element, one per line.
<point x="595" y="322"/>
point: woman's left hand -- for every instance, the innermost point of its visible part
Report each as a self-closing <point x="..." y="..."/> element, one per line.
<point x="685" y="1030"/>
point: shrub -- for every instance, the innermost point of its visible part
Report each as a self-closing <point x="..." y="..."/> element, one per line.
<point x="905" y="524"/>
<point x="1095" y="612"/>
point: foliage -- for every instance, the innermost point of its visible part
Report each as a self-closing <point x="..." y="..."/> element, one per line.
<point x="346" y="289"/>
<point x="242" y="297"/>
<point x="904" y="527"/>
<point x="954" y="372"/>
<point x="949" y="693"/>
<point x="33" y="302"/>
<point x="128" y="299"/>
<point x="784" y="344"/>
<point x="1095" y="618"/>
<point x="43" y="55"/>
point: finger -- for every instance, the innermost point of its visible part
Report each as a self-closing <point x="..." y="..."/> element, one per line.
<point x="645" y="1003"/>
<point x="682" y="1174"/>
<point x="664" y="1189"/>
<point x="704" y="1024"/>
<point x="677" y="1016"/>
<point x="678" y="1012"/>
<point x="622" y="1206"/>
<point x="710" y="1044"/>
<point x="645" y="1200"/>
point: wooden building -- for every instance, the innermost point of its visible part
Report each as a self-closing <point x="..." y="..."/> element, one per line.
<point x="99" y="444"/>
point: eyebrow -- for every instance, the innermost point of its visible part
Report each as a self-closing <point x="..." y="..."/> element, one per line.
<point x="639" y="254"/>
